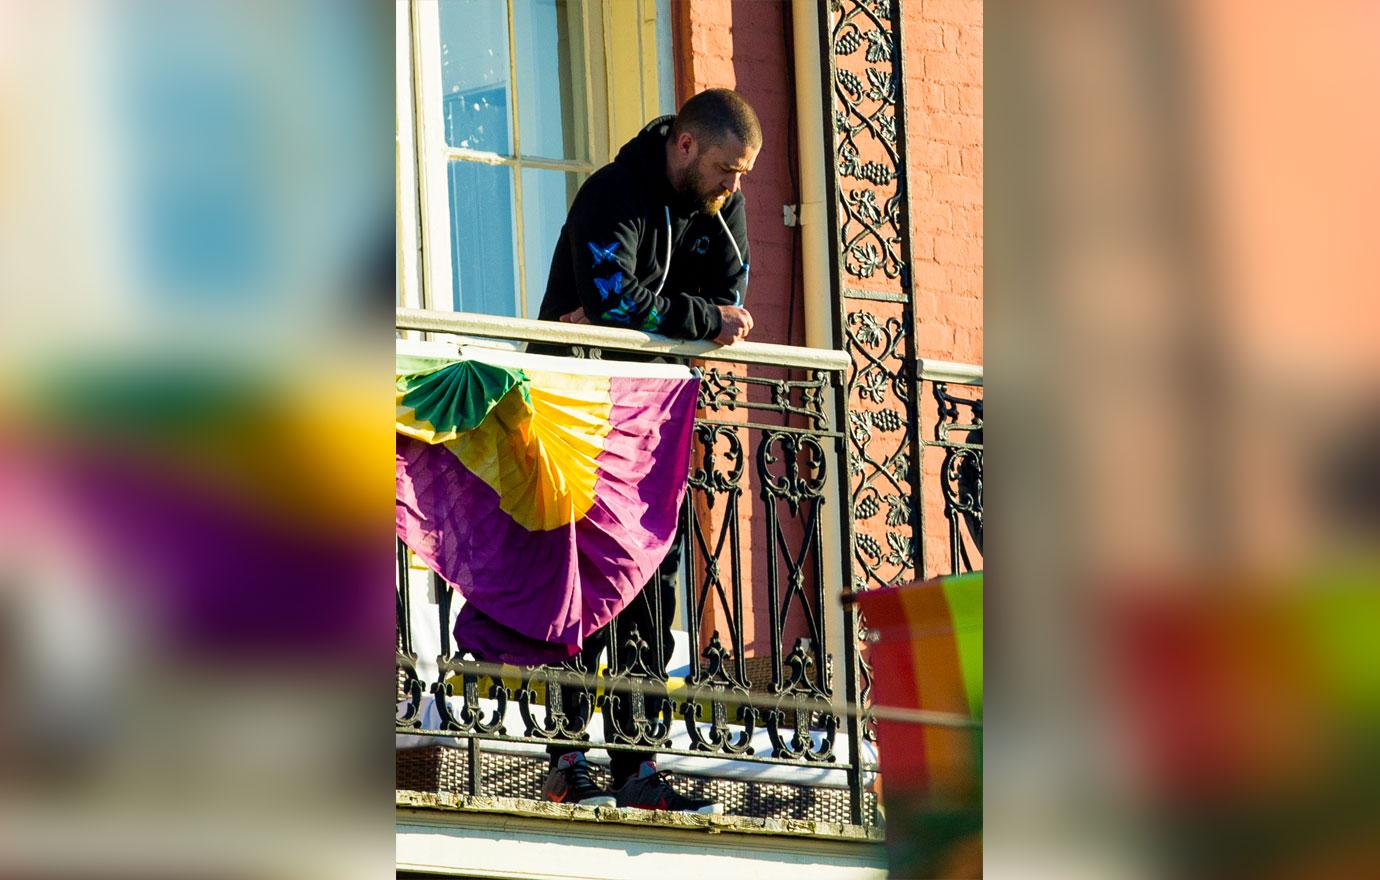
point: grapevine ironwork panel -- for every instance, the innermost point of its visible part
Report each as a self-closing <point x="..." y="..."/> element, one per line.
<point x="875" y="297"/>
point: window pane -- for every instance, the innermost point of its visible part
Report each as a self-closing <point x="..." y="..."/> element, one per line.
<point x="546" y="196"/>
<point x="551" y="79"/>
<point x="482" y="247"/>
<point x="665" y="59"/>
<point x="474" y="74"/>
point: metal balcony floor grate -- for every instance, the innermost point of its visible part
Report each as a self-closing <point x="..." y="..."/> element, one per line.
<point x="443" y="770"/>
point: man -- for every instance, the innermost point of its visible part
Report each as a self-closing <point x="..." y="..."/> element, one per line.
<point x="656" y="241"/>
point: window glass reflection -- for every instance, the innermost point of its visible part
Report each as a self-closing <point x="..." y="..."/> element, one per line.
<point x="483" y="262"/>
<point x="550" y="74"/>
<point x="475" y="74"/>
<point x="546" y="196"/>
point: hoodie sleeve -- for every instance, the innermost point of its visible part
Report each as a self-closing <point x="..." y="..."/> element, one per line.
<point x="605" y="237"/>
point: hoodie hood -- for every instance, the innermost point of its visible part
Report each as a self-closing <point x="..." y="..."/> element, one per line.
<point x="645" y="154"/>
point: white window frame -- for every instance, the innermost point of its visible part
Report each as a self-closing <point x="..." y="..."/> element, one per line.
<point x="409" y="244"/>
<point x="621" y="94"/>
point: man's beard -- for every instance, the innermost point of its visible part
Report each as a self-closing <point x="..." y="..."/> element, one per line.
<point x="692" y="196"/>
<point x="713" y="204"/>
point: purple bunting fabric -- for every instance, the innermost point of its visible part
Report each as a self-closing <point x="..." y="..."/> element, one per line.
<point x="545" y="490"/>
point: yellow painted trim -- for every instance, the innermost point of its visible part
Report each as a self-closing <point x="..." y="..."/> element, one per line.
<point x="630" y="66"/>
<point x="647" y="48"/>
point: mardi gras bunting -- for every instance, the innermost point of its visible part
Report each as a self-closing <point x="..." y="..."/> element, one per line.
<point x="545" y="490"/>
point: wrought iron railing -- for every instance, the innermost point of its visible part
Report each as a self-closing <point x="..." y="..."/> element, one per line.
<point x="916" y="497"/>
<point x="957" y="438"/>
<point x="768" y="521"/>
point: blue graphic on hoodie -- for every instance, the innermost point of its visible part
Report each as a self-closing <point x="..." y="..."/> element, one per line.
<point x="610" y="285"/>
<point x="622" y="313"/>
<point x="603" y="254"/>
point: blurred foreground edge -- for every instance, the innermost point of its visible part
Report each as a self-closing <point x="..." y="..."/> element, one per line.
<point x="925" y="654"/>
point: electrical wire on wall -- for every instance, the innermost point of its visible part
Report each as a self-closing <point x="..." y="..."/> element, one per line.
<point x="797" y="283"/>
<point x="792" y="167"/>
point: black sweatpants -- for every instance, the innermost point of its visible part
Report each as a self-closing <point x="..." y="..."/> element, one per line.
<point x="652" y="613"/>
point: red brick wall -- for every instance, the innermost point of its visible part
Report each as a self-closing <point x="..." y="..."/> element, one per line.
<point x="744" y="44"/>
<point x="943" y="46"/>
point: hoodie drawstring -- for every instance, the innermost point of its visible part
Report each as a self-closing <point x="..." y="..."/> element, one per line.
<point x="737" y="293"/>
<point x="667" y="273"/>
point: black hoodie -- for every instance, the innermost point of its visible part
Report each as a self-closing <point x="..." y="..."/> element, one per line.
<point x="612" y="255"/>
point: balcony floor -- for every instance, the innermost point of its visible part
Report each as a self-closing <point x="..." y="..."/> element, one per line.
<point x="508" y="837"/>
<point x="442" y="771"/>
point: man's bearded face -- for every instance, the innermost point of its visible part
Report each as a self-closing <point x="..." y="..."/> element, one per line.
<point x="716" y="174"/>
<point x="704" y="190"/>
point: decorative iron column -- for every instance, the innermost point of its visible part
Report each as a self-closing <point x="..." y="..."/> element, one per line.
<point x="874" y="291"/>
<point x="873" y="294"/>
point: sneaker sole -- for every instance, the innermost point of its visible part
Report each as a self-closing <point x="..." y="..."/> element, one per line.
<point x="598" y="801"/>
<point x="706" y="810"/>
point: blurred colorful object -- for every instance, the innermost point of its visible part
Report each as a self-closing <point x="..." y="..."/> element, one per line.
<point x="546" y="490"/>
<point x="1254" y="718"/>
<point x="928" y="657"/>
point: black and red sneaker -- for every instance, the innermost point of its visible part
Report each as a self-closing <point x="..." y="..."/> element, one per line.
<point x="651" y="789"/>
<point x="569" y="782"/>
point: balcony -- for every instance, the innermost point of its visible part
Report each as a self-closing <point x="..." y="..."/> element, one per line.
<point x="764" y="703"/>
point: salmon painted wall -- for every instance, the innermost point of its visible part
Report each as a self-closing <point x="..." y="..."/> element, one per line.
<point x="744" y="45"/>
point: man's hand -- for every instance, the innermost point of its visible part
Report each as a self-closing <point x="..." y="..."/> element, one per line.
<point x="737" y="323"/>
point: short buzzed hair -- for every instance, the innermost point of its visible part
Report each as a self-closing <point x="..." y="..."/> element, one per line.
<point x="715" y="113"/>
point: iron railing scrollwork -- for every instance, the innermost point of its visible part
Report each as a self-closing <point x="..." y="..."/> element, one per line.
<point x="761" y="495"/>
<point x="635" y="687"/>
<point x="554" y="724"/>
<point x="718" y="674"/>
<point x="962" y="472"/>
<point x="757" y="689"/>
<point x="800" y="678"/>
<point x="469" y="718"/>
